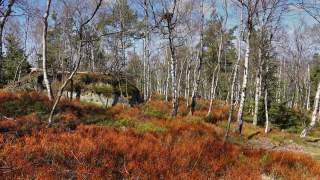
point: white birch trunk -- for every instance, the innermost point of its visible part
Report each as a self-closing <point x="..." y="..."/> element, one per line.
<point x="314" y="116"/>
<point x="215" y="76"/>
<point x="244" y="85"/>
<point x="174" y="83"/>
<point x="149" y="89"/>
<point x="258" y="91"/>
<point x="44" y="51"/>
<point x="180" y="77"/>
<point x="187" y="92"/>
<point x="146" y="61"/>
<point x="266" y="130"/>
<point x="234" y="78"/>
<point x="144" y="71"/>
<point x="308" y="89"/>
<point x="168" y="78"/>
<point x="279" y="83"/>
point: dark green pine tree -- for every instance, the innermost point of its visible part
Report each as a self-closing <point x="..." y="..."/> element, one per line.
<point x="14" y="60"/>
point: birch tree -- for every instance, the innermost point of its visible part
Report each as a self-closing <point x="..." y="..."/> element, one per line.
<point x="258" y="90"/>
<point x="251" y="7"/>
<point x="234" y="76"/>
<point x="215" y="75"/>
<point x="146" y="58"/>
<point x="199" y="67"/>
<point x="44" y="51"/>
<point x="216" y="72"/>
<point x="168" y="22"/>
<point x="268" y="19"/>
<point x="314" y="116"/>
<point x="312" y="8"/>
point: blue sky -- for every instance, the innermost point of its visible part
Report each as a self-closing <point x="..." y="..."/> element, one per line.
<point x="290" y="19"/>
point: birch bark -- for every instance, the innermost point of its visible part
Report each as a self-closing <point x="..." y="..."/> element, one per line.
<point x="234" y="79"/>
<point x="44" y="51"/>
<point x="258" y="91"/>
<point x="244" y="85"/>
<point x="314" y="116"/>
<point x="215" y="76"/>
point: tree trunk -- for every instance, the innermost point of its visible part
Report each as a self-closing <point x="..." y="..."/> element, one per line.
<point x="92" y="64"/>
<point x="168" y="78"/>
<point x="145" y="95"/>
<point x="60" y="92"/>
<point x="215" y="76"/>
<point x="308" y="89"/>
<point x="258" y="91"/>
<point x="44" y="51"/>
<point x="79" y="55"/>
<point x="266" y="111"/>
<point x="146" y="68"/>
<point x="149" y="80"/>
<point x="180" y="77"/>
<point x="187" y="92"/>
<point x="200" y="57"/>
<point x="234" y="78"/>
<point x="314" y="116"/>
<point x="174" y="80"/>
<point x="244" y="85"/>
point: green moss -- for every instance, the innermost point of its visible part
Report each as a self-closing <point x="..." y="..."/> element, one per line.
<point x="140" y="127"/>
<point x="242" y="158"/>
<point x="22" y="107"/>
<point x="28" y="157"/>
<point x="100" y="88"/>
<point x="122" y="123"/>
<point x="264" y="160"/>
<point x="152" y="112"/>
<point x="195" y="119"/>
<point x="148" y="127"/>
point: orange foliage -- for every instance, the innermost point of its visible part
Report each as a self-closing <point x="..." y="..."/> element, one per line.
<point x="97" y="152"/>
<point x="67" y="117"/>
<point x="183" y="151"/>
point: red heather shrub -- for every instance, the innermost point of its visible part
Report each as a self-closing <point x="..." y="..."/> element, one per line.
<point x="67" y="117"/>
<point x="162" y="106"/>
<point x="97" y="152"/>
<point x="128" y="113"/>
<point x="7" y="125"/>
<point x="183" y="151"/>
<point x="299" y="165"/>
<point x="117" y="109"/>
<point x="5" y="96"/>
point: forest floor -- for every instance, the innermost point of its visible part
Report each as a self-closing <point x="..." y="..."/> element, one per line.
<point x="142" y="142"/>
<point x="277" y="140"/>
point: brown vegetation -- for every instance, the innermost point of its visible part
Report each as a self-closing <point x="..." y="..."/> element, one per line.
<point x="139" y="142"/>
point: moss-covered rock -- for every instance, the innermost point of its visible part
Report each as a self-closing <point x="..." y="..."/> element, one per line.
<point x="93" y="87"/>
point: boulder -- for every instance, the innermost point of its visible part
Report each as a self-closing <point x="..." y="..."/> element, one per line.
<point x="102" y="89"/>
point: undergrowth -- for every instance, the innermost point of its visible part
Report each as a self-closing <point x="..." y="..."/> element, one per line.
<point x="142" y="142"/>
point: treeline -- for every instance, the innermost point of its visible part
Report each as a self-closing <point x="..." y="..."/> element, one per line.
<point x="238" y="51"/>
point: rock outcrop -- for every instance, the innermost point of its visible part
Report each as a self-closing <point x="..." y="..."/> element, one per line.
<point x="102" y="89"/>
